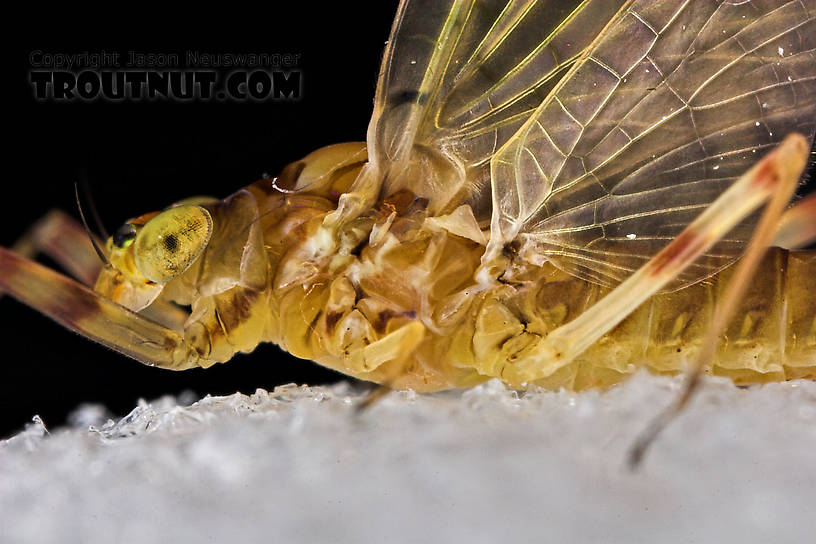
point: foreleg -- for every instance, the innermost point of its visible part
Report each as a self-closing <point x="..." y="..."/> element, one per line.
<point x="63" y="239"/>
<point x="81" y="310"/>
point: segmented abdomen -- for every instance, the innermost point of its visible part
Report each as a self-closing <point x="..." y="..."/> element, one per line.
<point x="771" y="338"/>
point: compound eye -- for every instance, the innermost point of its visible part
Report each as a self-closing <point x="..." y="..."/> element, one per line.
<point x="170" y="242"/>
<point x="124" y="236"/>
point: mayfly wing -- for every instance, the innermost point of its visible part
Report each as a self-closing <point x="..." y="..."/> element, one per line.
<point x="660" y="115"/>
<point x="459" y="78"/>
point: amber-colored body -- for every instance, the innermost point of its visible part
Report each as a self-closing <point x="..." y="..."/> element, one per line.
<point x="532" y="179"/>
<point x="398" y="303"/>
<point x="404" y="297"/>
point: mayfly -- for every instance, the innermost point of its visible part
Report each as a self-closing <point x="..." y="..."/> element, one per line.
<point x="550" y="193"/>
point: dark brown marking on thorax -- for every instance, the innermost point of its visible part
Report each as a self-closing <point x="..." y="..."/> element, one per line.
<point x="511" y="249"/>
<point x="238" y="308"/>
<point x="382" y="320"/>
<point x="381" y="323"/>
<point x="244" y="302"/>
<point x="331" y="320"/>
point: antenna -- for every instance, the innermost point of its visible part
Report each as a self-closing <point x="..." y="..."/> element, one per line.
<point x="88" y="229"/>
<point x="86" y="190"/>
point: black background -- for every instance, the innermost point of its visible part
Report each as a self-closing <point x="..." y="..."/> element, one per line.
<point x="141" y="156"/>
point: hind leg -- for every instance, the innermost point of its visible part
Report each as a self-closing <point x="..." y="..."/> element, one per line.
<point x="774" y="176"/>
<point x="770" y="225"/>
<point x="797" y="227"/>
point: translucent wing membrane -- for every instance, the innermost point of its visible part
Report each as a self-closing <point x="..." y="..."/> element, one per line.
<point x="460" y="78"/>
<point x="665" y="110"/>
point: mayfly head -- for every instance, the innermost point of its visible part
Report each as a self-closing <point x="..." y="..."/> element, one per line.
<point x="148" y="252"/>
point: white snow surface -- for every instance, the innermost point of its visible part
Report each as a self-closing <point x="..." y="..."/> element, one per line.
<point x="299" y="464"/>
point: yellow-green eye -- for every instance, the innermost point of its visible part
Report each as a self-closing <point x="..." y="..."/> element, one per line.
<point x="170" y="242"/>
